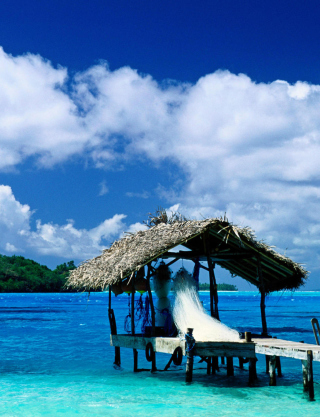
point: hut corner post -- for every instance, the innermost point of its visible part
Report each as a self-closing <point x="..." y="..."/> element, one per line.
<point x="263" y="299"/>
<point x="213" y="284"/>
<point x="113" y="330"/>
<point x="135" y="352"/>
<point x="189" y="351"/>
<point x="153" y="317"/>
<point x="307" y="374"/>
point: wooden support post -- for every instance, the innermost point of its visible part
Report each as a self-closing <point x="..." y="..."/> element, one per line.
<point x="135" y="360"/>
<point x="278" y="366"/>
<point x="212" y="279"/>
<point x="222" y="360"/>
<point x="153" y="314"/>
<point x="252" y="370"/>
<point x="215" y="364"/>
<point x="113" y="330"/>
<point x="263" y="298"/>
<point x="305" y="375"/>
<point x="267" y="363"/>
<point x="247" y="336"/>
<point x="240" y="362"/>
<point x="272" y="371"/>
<point x="153" y="317"/>
<point x="209" y="365"/>
<point x="189" y="350"/>
<point x="135" y="352"/>
<point x="230" y="369"/>
<point x="132" y="308"/>
<point x="168" y="364"/>
<point x="310" y="374"/>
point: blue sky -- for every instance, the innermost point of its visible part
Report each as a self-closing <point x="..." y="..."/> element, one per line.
<point x="111" y="109"/>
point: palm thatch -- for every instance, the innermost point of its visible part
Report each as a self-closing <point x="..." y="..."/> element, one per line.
<point x="233" y="248"/>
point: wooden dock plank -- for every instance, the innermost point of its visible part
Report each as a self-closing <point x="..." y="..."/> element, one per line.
<point x="225" y="349"/>
<point x="159" y="344"/>
<point x="287" y="348"/>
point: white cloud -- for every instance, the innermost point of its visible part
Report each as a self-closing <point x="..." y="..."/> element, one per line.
<point x="103" y="188"/>
<point x="143" y="194"/>
<point x="251" y="150"/>
<point x="64" y="241"/>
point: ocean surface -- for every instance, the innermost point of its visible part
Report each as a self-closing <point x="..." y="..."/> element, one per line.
<point x="55" y="360"/>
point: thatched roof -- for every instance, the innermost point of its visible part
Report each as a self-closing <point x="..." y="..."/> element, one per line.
<point x="229" y="246"/>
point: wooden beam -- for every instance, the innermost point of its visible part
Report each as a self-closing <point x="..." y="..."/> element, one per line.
<point x="189" y="350"/>
<point x="159" y="344"/>
<point x="213" y="284"/>
<point x="263" y="298"/>
<point x="215" y="256"/>
<point x="153" y="314"/>
<point x="272" y="371"/>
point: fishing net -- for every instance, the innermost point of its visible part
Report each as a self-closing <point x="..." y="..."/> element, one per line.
<point x="189" y="312"/>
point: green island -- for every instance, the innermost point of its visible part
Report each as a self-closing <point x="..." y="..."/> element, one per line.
<point x="220" y="287"/>
<point x="18" y="274"/>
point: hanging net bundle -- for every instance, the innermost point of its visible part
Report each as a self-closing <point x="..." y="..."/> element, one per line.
<point x="188" y="312"/>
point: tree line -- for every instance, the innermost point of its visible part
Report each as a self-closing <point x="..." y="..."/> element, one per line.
<point x="18" y="274"/>
<point x="220" y="287"/>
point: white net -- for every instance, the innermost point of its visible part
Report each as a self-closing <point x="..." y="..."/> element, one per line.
<point x="189" y="312"/>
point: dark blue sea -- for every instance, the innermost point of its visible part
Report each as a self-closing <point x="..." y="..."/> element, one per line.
<point x="56" y="360"/>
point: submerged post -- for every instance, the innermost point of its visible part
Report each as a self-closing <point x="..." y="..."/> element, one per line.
<point x="189" y="350"/>
<point x="307" y="375"/>
<point x="263" y="298"/>
<point x="310" y="374"/>
<point x="133" y="331"/>
<point x="272" y="371"/>
<point x="230" y="369"/>
<point x="153" y="314"/>
<point x="113" y="331"/>
<point x="212" y="279"/>
<point x="153" y="318"/>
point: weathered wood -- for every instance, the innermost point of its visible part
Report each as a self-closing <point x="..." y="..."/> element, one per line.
<point x="215" y="364"/>
<point x="287" y="348"/>
<point x="310" y="375"/>
<point x="240" y="362"/>
<point x="247" y="336"/>
<point x="304" y="364"/>
<point x="132" y="309"/>
<point x="159" y="344"/>
<point x="272" y="371"/>
<point x="153" y="313"/>
<point x="189" y="352"/>
<point x="215" y="256"/>
<point x="252" y="370"/>
<point x="267" y="363"/>
<point x="208" y="366"/>
<point x="278" y="366"/>
<point x="230" y="369"/>
<point x="113" y="330"/>
<point x="212" y="279"/>
<point x="316" y="329"/>
<point x="135" y="360"/>
<point x="263" y="298"/>
<point x="169" y="363"/>
<point x="226" y="349"/>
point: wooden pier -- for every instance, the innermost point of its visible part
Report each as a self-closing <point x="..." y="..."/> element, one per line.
<point x="272" y="348"/>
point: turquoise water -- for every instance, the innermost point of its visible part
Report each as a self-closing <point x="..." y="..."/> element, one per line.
<point x="56" y="361"/>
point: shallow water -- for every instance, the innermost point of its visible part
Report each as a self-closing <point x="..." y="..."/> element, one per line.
<point x="56" y="361"/>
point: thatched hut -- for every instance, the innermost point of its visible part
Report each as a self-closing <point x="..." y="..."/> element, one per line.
<point x="213" y="241"/>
